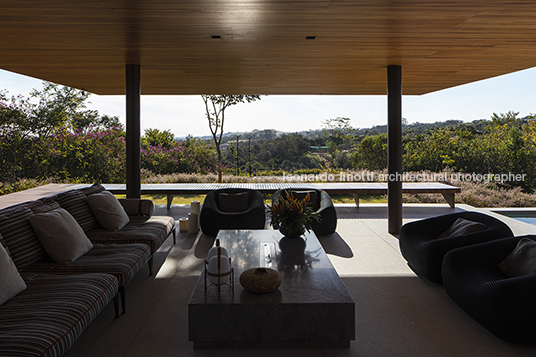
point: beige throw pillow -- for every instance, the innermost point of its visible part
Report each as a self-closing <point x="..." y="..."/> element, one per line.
<point x="61" y="235"/>
<point x="462" y="226"/>
<point x="108" y="211"/>
<point x="522" y="261"/>
<point x="11" y="282"/>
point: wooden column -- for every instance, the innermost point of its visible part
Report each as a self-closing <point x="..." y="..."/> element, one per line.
<point x="394" y="148"/>
<point x="133" y="137"/>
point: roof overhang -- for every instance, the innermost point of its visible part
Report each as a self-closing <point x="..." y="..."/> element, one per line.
<point x="263" y="47"/>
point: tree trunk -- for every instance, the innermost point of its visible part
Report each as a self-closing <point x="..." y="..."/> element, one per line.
<point x="218" y="150"/>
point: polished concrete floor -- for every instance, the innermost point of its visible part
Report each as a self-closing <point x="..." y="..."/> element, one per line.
<point x="397" y="313"/>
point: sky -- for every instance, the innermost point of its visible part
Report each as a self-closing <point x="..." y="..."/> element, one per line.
<point x="185" y="115"/>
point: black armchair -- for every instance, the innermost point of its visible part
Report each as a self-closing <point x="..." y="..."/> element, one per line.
<point x="213" y="218"/>
<point x="424" y="251"/>
<point x="505" y="306"/>
<point x="324" y="206"/>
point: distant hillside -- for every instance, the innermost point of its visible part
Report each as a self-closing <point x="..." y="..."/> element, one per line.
<point x="270" y="134"/>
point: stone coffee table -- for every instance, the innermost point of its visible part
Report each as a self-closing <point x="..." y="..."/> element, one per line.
<point x="311" y="308"/>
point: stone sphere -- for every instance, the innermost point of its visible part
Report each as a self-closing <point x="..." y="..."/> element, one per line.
<point x="260" y="280"/>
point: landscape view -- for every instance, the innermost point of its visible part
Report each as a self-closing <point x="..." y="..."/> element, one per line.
<point x="51" y="137"/>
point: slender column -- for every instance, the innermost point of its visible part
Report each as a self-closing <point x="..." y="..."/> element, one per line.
<point x="394" y="148"/>
<point x="133" y="94"/>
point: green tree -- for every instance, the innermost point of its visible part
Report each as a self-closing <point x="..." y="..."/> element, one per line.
<point x="371" y="153"/>
<point x="155" y="137"/>
<point x="65" y="106"/>
<point x="336" y="129"/>
<point x="215" y="107"/>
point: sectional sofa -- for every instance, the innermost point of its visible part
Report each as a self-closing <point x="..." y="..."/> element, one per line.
<point x="64" y="258"/>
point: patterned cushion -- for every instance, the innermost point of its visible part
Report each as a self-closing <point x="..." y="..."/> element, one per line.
<point x="4" y="244"/>
<point x="46" y="207"/>
<point x="96" y="188"/>
<point x="123" y="261"/>
<point x="49" y="316"/>
<point x="75" y="202"/>
<point x="148" y="230"/>
<point x="24" y="247"/>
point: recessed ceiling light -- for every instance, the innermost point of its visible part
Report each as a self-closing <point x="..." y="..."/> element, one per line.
<point x="217" y="37"/>
<point x="310" y="37"/>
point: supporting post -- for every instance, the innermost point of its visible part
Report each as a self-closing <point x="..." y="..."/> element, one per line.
<point x="394" y="148"/>
<point x="133" y="145"/>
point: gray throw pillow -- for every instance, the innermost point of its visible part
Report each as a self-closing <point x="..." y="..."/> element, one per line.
<point x="233" y="202"/>
<point x="108" y="211"/>
<point x="522" y="260"/>
<point x="61" y="235"/>
<point x="11" y="282"/>
<point x="462" y="226"/>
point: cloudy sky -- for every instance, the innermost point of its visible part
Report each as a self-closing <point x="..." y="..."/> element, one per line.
<point x="185" y="115"/>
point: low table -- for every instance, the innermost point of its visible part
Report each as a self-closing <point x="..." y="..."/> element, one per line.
<point x="311" y="308"/>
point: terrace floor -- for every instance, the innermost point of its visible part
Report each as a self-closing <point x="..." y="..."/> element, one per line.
<point x="397" y="313"/>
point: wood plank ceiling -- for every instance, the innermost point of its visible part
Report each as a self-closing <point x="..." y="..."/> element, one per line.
<point x="263" y="47"/>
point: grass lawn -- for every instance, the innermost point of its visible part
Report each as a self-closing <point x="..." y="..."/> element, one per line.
<point x="186" y="199"/>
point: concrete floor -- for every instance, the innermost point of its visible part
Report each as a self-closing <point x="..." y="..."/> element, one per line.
<point x="397" y="313"/>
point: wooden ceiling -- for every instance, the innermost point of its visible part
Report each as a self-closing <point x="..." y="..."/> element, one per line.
<point x="263" y="47"/>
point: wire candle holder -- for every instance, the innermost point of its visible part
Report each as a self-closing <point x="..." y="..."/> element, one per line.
<point x="218" y="269"/>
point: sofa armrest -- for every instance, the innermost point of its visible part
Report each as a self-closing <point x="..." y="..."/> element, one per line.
<point x="137" y="207"/>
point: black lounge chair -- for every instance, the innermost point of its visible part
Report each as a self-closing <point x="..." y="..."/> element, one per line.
<point x="504" y="306"/>
<point x="424" y="251"/>
<point x="213" y="218"/>
<point x="323" y="205"/>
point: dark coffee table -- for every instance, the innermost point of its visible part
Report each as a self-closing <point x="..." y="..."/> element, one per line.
<point x="311" y="308"/>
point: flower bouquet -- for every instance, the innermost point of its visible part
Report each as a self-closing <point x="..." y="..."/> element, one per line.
<point x="292" y="216"/>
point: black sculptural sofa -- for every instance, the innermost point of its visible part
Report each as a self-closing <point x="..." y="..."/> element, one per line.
<point x="46" y="300"/>
<point x="320" y="202"/>
<point x="502" y="304"/>
<point x="424" y="251"/>
<point x="232" y="208"/>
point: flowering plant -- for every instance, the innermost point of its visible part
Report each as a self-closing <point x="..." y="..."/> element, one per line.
<point x="292" y="213"/>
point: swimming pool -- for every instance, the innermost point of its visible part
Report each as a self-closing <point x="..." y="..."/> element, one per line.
<point x="523" y="216"/>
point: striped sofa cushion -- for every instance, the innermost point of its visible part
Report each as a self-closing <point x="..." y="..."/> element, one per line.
<point x="47" y="318"/>
<point x="24" y="247"/>
<point x="95" y="188"/>
<point x="149" y="230"/>
<point x="75" y="202"/>
<point x="121" y="260"/>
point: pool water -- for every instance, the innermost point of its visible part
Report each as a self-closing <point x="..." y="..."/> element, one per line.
<point x="527" y="217"/>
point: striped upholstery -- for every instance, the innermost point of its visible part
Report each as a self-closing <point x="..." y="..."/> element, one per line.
<point x="47" y="318"/>
<point x="46" y="207"/>
<point x="122" y="261"/>
<point x="24" y="247"/>
<point x="4" y="244"/>
<point x="75" y="202"/>
<point x="96" y="188"/>
<point x="152" y="231"/>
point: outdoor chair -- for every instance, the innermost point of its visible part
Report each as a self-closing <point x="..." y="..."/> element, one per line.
<point x="320" y="202"/>
<point x="504" y="306"/>
<point x="232" y="208"/>
<point x="424" y="251"/>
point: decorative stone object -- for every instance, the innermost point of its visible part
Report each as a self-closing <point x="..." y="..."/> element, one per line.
<point x="260" y="280"/>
